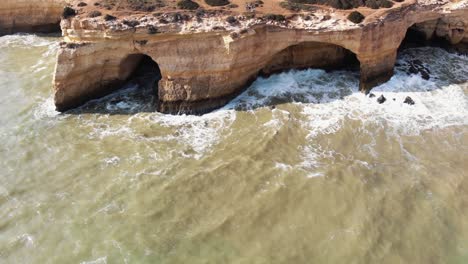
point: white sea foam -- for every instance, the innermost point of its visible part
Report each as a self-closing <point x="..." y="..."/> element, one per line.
<point x="102" y="260"/>
<point x="26" y="239"/>
<point x="201" y="133"/>
<point x="46" y="109"/>
<point x="197" y="133"/>
<point x="112" y="160"/>
<point x="26" y="41"/>
<point x="327" y="100"/>
<point x="282" y="166"/>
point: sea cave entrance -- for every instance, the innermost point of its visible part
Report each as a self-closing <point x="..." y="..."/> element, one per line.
<point x="435" y="33"/>
<point x="421" y="35"/>
<point x="141" y="70"/>
<point x="425" y="34"/>
<point x="139" y="92"/>
<point x="308" y="55"/>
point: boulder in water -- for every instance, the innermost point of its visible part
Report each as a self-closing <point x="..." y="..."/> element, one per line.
<point x="416" y="66"/>
<point x="371" y="95"/>
<point x="381" y="99"/>
<point x="409" y="100"/>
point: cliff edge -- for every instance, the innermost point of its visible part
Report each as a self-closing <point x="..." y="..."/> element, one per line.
<point x="205" y="52"/>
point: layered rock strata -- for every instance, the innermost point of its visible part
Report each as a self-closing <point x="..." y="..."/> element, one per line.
<point x="30" y="16"/>
<point x="205" y="61"/>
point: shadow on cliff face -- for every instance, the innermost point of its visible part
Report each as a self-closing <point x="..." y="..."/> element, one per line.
<point x="138" y="94"/>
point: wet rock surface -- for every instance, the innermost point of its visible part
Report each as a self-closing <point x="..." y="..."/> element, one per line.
<point x="381" y="99"/>
<point x="416" y="67"/>
<point x="409" y="100"/>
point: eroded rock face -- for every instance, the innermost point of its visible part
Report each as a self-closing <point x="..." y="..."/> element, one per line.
<point x="205" y="63"/>
<point x="450" y="29"/>
<point x="30" y="15"/>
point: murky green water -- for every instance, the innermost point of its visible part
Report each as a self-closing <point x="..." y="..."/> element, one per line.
<point x="326" y="176"/>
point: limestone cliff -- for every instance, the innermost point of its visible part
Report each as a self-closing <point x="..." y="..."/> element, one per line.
<point x="30" y="15"/>
<point x="205" y="60"/>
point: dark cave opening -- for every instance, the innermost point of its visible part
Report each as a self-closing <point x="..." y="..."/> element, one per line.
<point x="309" y="55"/>
<point x="418" y="36"/>
<point x="137" y="93"/>
<point x="144" y="71"/>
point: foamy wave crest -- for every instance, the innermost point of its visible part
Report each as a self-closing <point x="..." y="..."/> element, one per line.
<point x="201" y="133"/>
<point x="195" y="135"/>
<point x="46" y="109"/>
<point x="328" y="101"/>
<point x="307" y="86"/>
<point x="328" y="98"/>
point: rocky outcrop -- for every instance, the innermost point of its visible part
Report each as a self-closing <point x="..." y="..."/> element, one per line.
<point x="205" y="61"/>
<point x="30" y="15"/>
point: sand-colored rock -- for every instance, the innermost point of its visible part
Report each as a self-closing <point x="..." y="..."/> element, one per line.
<point x="205" y="63"/>
<point x="30" y="15"/>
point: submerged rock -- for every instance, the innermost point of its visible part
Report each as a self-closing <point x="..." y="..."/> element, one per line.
<point x="381" y="99"/>
<point x="416" y="67"/>
<point x="409" y="100"/>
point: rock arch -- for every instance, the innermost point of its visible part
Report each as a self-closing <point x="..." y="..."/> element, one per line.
<point x="226" y="65"/>
<point x="203" y="71"/>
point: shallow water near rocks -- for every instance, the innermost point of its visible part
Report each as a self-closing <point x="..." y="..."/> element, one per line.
<point x="300" y="168"/>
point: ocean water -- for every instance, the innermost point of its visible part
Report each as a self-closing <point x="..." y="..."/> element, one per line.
<point x="300" y="168"/>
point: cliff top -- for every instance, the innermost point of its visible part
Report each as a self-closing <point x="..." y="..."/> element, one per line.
<point x="236" y="7"/>
<point x="181" y="16"/>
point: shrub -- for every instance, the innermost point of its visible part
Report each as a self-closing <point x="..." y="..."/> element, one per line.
<point x="217" y="2"/>
<point x="177" y="17"/>
<point x="249" y="15"/>
<point x="376" y="4"/>
<point x="131" y="23"/>
<point x="95" y="14"/>
<point x="187" y="4"/>
<point x="152" y="30"/>
<point x="274" y="17"/>
<point x="296" y="5"/>
<point x="68" y="12"/>
<point x="109" y="18"/>
<point x="385" y="3"/>
<point x="356" y="17"/>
